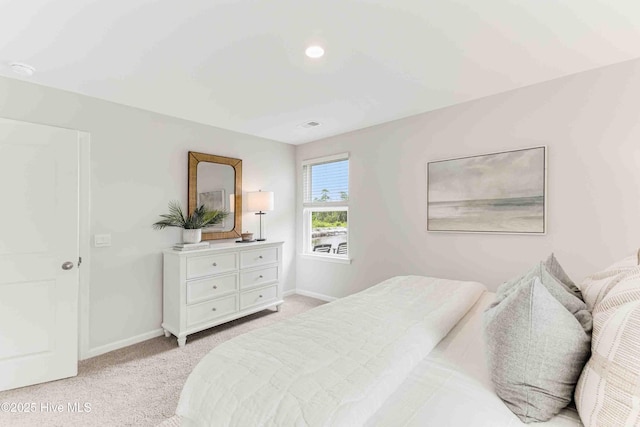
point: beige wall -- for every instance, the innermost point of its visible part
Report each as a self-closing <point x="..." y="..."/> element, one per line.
<point x="591" y="125"/>
<point x="139" y="164"/>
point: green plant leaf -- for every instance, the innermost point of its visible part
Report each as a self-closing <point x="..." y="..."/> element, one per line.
<point x="200" y="217"/>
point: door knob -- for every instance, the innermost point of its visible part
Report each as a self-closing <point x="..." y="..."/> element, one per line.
<point x="67" y="265"/>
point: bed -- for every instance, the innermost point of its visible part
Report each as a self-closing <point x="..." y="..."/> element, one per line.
<point x="406" y="352"/>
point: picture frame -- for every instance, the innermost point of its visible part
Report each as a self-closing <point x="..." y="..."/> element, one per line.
<point x="495" y="193"/>
<point x="214" y="200"/>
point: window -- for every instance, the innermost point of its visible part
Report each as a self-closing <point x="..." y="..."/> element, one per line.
<point x="326" y="206"/>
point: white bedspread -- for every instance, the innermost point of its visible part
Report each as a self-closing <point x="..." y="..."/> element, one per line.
<point x="333" y="365"/>
<point x="452" y="386"/>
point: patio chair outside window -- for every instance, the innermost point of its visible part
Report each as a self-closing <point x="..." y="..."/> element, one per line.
<point x="342" y="249"/>
<point x="326" y="248"/>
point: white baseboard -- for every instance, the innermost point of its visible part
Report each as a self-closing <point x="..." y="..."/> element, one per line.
<point x="315" y="295"/>
<point x="93" y="352"/>
<point x="97" y="351"/>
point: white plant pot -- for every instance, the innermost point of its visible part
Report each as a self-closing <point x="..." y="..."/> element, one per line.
<point x="192" y="236"/>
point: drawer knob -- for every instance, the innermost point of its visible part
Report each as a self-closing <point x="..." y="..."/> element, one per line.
<point x="213" y="309"/>
<point x="260" y="257"/>
<point x="259" y="296"/>
<point x="215" y="265"/>
<point x="260" y="277"/>
<point x="215" y="287"/>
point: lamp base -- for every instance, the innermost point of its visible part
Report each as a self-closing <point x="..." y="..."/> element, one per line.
<point x="261" y="214"/>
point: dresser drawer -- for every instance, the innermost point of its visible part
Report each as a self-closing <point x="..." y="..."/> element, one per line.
<point x="258" y="257"/>
<point x="258" y="297"/>
<point x="211" y="310"/>
<point x="211" y="264"/>
<point x="263" y="276"/>
<point x="204" y="289"/>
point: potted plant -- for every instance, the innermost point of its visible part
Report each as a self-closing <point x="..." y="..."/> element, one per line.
<point x="191" y="225"/>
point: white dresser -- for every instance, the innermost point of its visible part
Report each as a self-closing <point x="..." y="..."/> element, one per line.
<point x="205" y="288"/>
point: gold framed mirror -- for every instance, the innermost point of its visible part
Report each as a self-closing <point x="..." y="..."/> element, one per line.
<point x="216" y="182"/>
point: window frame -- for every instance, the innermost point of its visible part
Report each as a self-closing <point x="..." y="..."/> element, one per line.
<point x="308" y="207"/>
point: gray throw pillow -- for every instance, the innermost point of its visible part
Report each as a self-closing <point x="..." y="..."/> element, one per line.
<point x="558" y="272"/>
<point x="575" y="305"/>
<point x="536" y="350"/>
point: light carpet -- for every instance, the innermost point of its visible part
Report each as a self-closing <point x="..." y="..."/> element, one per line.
<point x="135" y="386"/>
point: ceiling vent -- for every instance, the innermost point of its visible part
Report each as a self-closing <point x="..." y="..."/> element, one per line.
<point x="310" y="124"/>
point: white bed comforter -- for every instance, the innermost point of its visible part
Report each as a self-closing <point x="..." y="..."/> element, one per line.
<point x="333" y="365"/>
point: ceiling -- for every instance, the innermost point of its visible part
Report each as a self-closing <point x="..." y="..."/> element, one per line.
<point x="240" y="64"/>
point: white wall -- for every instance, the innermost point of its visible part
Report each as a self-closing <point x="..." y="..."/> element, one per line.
<point x="591" y="125"/>
<point x="139" y="164"/>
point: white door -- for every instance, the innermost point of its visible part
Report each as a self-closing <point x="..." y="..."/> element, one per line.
<point x="38" y="237"/>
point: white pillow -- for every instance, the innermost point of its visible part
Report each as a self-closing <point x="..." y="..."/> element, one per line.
<point x="608" y="391"/>
<point x="594" y="288"/>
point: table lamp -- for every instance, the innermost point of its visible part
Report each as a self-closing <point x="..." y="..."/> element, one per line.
<point x="260" y="202"/>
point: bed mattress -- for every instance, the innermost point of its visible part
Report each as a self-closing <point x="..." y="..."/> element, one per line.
<point x="452" y="386"/>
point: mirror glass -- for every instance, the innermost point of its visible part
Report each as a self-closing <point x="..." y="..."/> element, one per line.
<point x="216" y="183"/>
<point x="216" y="191"/>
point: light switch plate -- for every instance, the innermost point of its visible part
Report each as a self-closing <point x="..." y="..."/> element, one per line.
<point x="102" y="240"/>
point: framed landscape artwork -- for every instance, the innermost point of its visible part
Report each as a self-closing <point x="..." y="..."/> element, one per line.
<point x="213" y="200"/>
<point x="490" y="193"/>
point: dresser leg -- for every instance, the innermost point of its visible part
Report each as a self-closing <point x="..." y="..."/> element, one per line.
<point x="167" y="334"/>
<point x="182" y="342"/>
<point x="278" y="307"/>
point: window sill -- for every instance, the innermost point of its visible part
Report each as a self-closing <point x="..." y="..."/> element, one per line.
<point x="327" y="258"/>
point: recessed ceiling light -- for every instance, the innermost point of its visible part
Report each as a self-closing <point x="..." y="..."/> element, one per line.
<point x="314" y="51"/>
<point x="22" y="69"/>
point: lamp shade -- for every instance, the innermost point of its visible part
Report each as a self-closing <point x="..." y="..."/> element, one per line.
<point x="260" y="201"/>
<point x="232" y="203"/>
